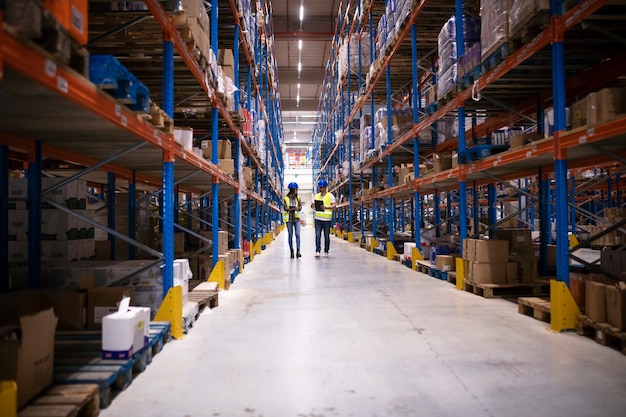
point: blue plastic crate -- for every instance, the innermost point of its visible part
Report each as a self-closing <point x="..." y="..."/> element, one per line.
<point x="106" y="71"/>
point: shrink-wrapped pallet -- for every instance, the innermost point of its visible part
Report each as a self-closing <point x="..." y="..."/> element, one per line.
<point x="494" y="32"/>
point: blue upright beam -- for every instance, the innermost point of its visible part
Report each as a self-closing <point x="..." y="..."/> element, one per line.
<point x="237" y="147"/>
<point x="168" y="76"/>
<point x="168" y="224"/>
<point x="476" y="208"/>
<point x="572" y="200"/>
<point x="460" y="50"/>
<point x="492" y="201"/>
<point x="4" y="217"/>
<point x="389" y="158"/>
<point x="34" y="217"/>
<point x="416" y="143"/>
<point x="215" y="220"/>
<point x="560" y="162"/>
<point x="546" y="224"/>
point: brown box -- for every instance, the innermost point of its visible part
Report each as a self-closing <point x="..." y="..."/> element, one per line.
<point x="224" y="149"/>
<point x="488" y="272"/>
<point x="595" y="303"/>
<point x="517" y="238"/>
<point x="222" y="242"/>
<point x="616" y="305"/>
<point x="200" y="266"/>
<point x="179" y="243"/>
<point x="611" y="104"/>
<point x="517" y="141"/>
<point x="512" y="273"/>
<point x="227" y="266"/>
<point x="28" y="358"/>
<point x="578" y="113"/>
<point x="527" y="270"/>
<point x="444" y="262"/>
<point x="102" y="301"/>
<point x="488" y="250"/>
<point x="227" y="166"/>
<point x="70" y="307"/>
<point x="442" y="162"/>
<point x="16" y="304"/>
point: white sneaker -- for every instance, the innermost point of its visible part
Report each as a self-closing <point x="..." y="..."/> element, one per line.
<point x="325" y="255"/>
<point x="317" y="254"/>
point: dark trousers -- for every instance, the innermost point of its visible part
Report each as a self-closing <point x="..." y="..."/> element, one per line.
<point x="319" y="226"/>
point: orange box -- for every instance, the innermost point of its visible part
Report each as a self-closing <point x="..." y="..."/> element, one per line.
<point x="72" y="15"/>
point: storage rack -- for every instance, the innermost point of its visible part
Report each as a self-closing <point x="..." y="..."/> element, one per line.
<point x="554" y="64"/>
<point x="50" y="111"/>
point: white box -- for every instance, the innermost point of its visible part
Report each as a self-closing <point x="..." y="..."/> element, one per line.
<point x="59" y="252"/>
<point x="86" y="248"/>
<point x="58" y="225"/>
<point x="125" y="332"/>
<point x="18" y="189"/>
<point x="182" y="275"/>
<point x="18" y="225"/>
<point x="66" y="195"/>
<point x="18" y="253"/>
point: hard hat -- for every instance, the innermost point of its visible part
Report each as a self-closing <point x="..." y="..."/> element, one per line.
<point x="322" y="183"/>
<point x="292" y="185"/>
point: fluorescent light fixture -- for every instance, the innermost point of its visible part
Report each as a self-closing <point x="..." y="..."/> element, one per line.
<point x="300" y="44"/>
<point x="298" y="86"/>
<point x="301" y="12"/>
<point x="299" y="66"/>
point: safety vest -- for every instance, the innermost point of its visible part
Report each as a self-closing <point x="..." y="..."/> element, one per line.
<point x="287" y="205"/>
<point x="326" y="215"/>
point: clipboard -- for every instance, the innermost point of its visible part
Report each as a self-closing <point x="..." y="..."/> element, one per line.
<point x="319" y="205"/>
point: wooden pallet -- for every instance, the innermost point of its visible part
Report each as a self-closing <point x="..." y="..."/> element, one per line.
<point x="538" y="308"/>
<point x="602" y="333"/>
<point x="452" y="277"/>
<point x="424" y="267"/>
<point x="65" y="401"/>
<point x="78" y="360"/>
<point x="502" y="290"/>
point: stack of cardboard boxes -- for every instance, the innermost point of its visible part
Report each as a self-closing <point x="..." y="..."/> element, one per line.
<point x="606" y="303"/>
<point x="486" y="261"/>
<point x="613" y="238"/>
<point x="522" y="260"/>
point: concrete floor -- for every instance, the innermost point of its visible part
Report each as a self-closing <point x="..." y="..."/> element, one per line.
<point x="357" y="335"/>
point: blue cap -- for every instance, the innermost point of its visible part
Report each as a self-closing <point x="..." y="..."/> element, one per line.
<point x="292" y="185"/>
<point x="322" y="183"/>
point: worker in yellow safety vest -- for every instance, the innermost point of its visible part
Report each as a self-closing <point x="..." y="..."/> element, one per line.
<point x="323" y="204"/>
<point x="291" y="216"/>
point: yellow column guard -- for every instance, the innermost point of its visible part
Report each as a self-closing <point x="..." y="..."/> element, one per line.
<point x="391" y="251"/>
<point x="563" y="308"/>
<point x="171" y="310"/>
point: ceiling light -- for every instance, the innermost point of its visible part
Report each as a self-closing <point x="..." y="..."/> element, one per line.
<point x="300" y="44"/>
<point x="299" y="66"/>
<point x="298" y="86"/>
<point x="301" y="12"/>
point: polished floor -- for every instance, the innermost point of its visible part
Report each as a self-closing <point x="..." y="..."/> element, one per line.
<point x="357" y="335"/>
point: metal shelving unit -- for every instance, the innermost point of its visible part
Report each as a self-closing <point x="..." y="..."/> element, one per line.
<point x="566" y="57"/>
<point x="50" y="111"/>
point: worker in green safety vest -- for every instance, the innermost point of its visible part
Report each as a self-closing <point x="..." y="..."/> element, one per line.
<point x="323" y="204"/>
<point x="291" y="216"/>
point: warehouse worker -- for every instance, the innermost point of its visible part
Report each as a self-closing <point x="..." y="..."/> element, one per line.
<point x="323" y="204"/>
<point x="291" y="216"/>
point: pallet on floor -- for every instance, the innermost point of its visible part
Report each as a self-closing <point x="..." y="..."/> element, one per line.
<point x="80" y="400"/>
<point x="503" y="290"/>
<point x="538" y="308"/>
<point x="452" y="277"/>
<point x="602" y="333"/>
<point x="424" y="267"/>
<point x="78" y="360"/>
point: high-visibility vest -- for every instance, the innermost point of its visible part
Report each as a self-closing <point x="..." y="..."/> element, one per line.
<point x="287" y="205"/>
<point x="326" y="214"/>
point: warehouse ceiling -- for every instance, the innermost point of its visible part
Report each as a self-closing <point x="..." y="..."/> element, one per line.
<point x="314" y="32"/>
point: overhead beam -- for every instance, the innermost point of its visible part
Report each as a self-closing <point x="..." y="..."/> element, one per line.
<point x="307" y="76"/>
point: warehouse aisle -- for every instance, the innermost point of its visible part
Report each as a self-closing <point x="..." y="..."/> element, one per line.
<point x="357" y="335"/>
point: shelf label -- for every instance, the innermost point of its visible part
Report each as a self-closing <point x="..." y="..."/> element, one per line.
<point x="533" y="148"/>
<point x="51" y="68"/>
<point x="124" y="121"/>
<point x="495" y="163"/>
<point x="62" y="85"/>
<point x="118" y="110"/>
<point x="591" y="131"/>
<point x="529" y="154"/>
<point x="582" y="139"/>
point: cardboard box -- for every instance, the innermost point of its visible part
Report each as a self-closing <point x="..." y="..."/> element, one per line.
<point x="444" y="262"/>
<point x="606" y="105"/>
<point x="224" y="149"/>
<point x="179" y="243"/>
<point x="595" y="303"/>
<point x="442" y="162"/>
<point x="29" y="359"/>
<point x="479" y="250"/>
<point x="227" y="166"/>
<point x="611" y="261"/>
<point x="616" y="305"/>
<point x="125" y="332"/>
<point x="579" y="113"/>
<point x="487" y="272"/>
<point x="517" y="238"/>
<point x="72" y="15"/>
<point x="70" y="307"/>
<point x="512" y="273"/>
<point x="16" y="304"/>
<point x="222" y="243"/>
<point x="103" y="301"/>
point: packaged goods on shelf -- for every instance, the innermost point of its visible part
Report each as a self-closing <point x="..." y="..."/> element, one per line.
<point x="548" y="121"/>
<point x="408" y="250"/>
<point x="24" y="16"/>
<point x="447" y="81"/>
<point x="522" y="12"/>
<point x="224" y="148"/>
<point x="18" y="225"/>
<point x="470" y="59"/>
<point x="103" y="301"/>
<point x="382" y="34"/>
<point x="430" y="94"/>
<point x="494" y="15"/>
<point x="606" y="105"/>
<point x="125" y="332"/>
<point x="72" y="15"/>
<point x="109" y="74"/>
<point x="442" y="161"/>
<point x="184" y="136"/>
<point x="70" y="307"/>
